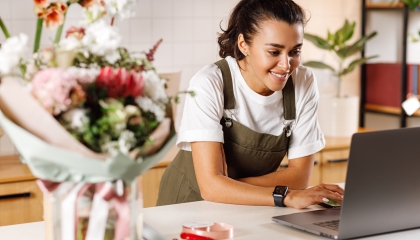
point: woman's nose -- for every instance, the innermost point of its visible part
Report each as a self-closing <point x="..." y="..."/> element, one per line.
<point x="284" y="63"/>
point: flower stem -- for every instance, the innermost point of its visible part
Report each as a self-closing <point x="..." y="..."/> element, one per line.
<point x="60" y="28"/>
<point x="38" y="34"/>
<point x="59" y="31"/>
<point x="4" y="29"/>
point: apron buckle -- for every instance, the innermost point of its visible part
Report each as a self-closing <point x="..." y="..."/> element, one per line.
<point x="228" y="122"/>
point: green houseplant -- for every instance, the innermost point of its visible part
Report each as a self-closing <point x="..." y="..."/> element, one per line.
<point x="338" y="115"/>
<point x="337" y="43"/>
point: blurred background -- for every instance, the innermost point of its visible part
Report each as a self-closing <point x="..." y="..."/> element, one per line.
<point x="189" y="30"/>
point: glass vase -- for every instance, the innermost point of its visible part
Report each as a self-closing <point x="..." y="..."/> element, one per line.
<point x="85" y="211"/>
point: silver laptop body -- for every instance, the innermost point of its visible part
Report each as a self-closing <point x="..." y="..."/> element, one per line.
<point x="382" y="189"/>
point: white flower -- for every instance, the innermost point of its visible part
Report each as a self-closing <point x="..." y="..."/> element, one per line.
<point x="126" y="141"/>
<point x="103" y="40"/>
<point x="83" y="75"/>
<point x="11" y="52"/>
<point x="147" y="104"/>
<point x="93" y="13"/>
<point x="69" y="43"/>
<point x="31" y="69"/>
<point x="77" y="119"/>
<point x="120" y="8"/>
<point x="108" y="146"/>
<point x="154" y="86"/>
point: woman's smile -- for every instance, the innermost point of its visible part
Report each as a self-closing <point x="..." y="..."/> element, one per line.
<point x="279" y="77"/>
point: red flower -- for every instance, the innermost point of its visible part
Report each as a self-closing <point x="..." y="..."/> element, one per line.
<point x="133" y="84"/>
<point x="120" y="82"/>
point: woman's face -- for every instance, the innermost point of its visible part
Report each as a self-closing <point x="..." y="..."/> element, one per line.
<point x="272" y="56"/>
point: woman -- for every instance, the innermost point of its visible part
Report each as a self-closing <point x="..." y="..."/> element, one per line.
<point x="249" y="110"/>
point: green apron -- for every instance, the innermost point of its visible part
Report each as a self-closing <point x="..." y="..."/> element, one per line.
<point x="248" y="153"/>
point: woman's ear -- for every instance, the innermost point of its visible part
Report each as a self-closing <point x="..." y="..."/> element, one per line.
<point x="242" y="44"/>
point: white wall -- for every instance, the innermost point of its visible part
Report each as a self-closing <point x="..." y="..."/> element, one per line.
<point x="188" y="29"/>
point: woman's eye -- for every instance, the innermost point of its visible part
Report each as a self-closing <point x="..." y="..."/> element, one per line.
<point x="274" y="53"/>
<point x="295" y="52"/>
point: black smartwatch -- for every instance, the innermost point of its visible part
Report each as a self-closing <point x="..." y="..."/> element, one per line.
<point x="279" y="194"/>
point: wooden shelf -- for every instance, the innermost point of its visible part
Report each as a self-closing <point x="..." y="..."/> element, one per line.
<point x="387" y="109"/>
<point x="384" y="5"/>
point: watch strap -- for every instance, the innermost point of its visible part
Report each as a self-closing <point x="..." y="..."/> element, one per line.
<point x="278" y="201"/>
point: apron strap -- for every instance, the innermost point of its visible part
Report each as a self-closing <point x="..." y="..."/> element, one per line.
<point x="289" y="103"/>
<point x="229" y="97"/>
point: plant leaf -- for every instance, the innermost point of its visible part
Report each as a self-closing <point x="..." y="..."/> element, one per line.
<point x="318" y="41"/>
<point x="354" y="64"/>
<point x="412" y="4"/>
<point x="348" y="31"/>
<point x="316" y="64"/>
<point x="343" y="34"/>
<point x="331" y="37"/>
<point x="355" y="48"/>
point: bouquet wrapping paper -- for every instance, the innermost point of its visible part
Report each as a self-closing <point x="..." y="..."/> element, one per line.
<point x="87" y="195"/>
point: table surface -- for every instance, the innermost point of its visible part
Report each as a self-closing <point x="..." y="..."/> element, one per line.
<point x="250" y="222"/>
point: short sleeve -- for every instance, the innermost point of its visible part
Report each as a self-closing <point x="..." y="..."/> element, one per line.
<point x="307" y="137"/>
<point x="203" y="111"/>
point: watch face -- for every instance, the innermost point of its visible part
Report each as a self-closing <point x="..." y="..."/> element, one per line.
<point x="280" y="190"/>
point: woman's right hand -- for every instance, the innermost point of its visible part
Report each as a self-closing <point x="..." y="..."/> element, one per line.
<point x="314" y="195"/>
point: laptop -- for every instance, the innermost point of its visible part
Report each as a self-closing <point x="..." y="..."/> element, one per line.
<point x="382" y="189"/>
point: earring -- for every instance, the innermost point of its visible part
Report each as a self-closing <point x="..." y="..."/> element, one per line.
<point x="245" y="54"/>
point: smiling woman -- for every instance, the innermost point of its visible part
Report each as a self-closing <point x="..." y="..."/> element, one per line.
<point x="250" y="109"/>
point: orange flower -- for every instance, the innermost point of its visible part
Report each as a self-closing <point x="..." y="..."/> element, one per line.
<point x="62" y="7"/>
<point x="39" y="11"/>
<point x="87" y="3"/>
<point x="53" y="17"/>
<point x="42" y="3"/>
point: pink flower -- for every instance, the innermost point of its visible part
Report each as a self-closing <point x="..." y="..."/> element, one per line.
<point x="78" y="33"/>
<point x="120" y="82"/>
<point x="55" y="89"/>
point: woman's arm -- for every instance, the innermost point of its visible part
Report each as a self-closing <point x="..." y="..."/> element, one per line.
<point x="216" y="186"/>
<point x="295" y="176"/>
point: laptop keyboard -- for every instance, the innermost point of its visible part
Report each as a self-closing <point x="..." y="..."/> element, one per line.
<point x="333" y="224"/>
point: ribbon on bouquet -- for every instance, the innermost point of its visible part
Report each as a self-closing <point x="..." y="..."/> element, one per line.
<point x="105" y="194"/>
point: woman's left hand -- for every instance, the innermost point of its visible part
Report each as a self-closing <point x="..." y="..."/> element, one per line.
<point x="314" y="195"/>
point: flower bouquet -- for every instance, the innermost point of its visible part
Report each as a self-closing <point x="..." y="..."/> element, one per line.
<point x="88" y="117"/>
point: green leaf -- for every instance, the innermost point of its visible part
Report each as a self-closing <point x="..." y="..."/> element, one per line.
<point x="331" y="37"/>
<point x="4" y="29"/>
<point x="344" y="34"/>
<point x="318" y="41"/>
<point x="316" y="64"/>
<point x="412" y="4"/>
<point x="355" y="48"/>
<point x="354" y="64"/>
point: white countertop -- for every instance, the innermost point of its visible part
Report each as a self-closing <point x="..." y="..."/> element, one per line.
<point x="250" y="222"/>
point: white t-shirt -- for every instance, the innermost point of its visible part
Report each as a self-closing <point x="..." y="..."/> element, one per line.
<point x="264" y="114"/>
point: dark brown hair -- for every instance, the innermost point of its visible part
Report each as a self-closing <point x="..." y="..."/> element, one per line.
<point x="246" y="17"/>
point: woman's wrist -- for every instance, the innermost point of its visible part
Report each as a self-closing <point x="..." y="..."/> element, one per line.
<point x="287" y="201"/>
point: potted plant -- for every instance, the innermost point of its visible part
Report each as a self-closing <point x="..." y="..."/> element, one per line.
<point x="338" y="115"/>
